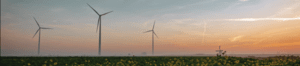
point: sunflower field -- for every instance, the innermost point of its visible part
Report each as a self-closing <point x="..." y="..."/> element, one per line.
<point x="149" y="61"/>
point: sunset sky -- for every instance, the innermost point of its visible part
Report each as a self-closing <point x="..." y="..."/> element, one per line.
<point x="182" y="26"/>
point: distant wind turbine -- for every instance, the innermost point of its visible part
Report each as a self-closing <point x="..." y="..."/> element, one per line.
<point x="220" y="51"/>
<point x="99" y="23"/>
<point x="152" y="37"/>
<point x="39" y="30"/>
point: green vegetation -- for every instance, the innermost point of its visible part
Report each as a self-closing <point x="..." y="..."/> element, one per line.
<point x="149" y="61"/>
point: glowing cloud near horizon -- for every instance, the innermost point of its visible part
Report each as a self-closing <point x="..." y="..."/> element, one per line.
<point x="235" y="38"/>
<point x="257" y="19"/>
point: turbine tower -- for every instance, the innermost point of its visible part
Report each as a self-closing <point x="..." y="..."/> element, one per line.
<point x="153" y="33"/>
<point x="99" y="23"/>
<point x="39" y="30"/>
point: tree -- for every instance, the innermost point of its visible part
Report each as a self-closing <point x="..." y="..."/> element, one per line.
<point x="223" y="53"/>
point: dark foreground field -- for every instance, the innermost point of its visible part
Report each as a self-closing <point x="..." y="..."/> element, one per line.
<point x="149" y="61"/>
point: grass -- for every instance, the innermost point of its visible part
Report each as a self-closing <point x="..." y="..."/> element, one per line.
<point x="149" y="61"/>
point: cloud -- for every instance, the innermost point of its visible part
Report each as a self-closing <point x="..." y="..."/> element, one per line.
<point x="259" y="19"/>
<point x="283" y="36"/>
<point x="244" y="0"/>
<point x="235" y="38"/>
<point x="149" y="22"/>
<point x="290" y="10"/>
<point x="182" y="20"/>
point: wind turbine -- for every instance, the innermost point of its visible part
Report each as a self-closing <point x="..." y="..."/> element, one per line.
<point x="39" y="30"/>
<point x="99" y="23"/>
<point x="152" y="37"/>
<point x="220" y="51"/>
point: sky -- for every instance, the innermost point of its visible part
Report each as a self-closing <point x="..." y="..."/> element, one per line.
<point x="182" y="27"/>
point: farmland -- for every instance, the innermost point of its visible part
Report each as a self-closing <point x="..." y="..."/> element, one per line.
<point x="149" y="61"/>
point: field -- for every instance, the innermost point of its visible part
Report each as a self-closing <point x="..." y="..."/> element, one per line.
<point x="150" y="61"/>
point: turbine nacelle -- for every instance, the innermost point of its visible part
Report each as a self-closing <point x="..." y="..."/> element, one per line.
<point x="39" y="27"/>
<point x="152" y="30"/>
<point x="99" y="19"/>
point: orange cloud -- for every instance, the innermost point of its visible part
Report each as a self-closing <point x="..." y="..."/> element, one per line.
<point x="235" y="38"/>
<point x="277" y="35"/>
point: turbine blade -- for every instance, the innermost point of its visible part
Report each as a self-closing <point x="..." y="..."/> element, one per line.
<point x="155" y="34"/>
<point x="148" y="31"/>
<point x="98" y="24"/>
<point x="153" y="25"/>
<point x="46" y="28"/>
<point x="36" y="32"/>
<point x="36" y="22"/>
<point x="106" y="13"/>
<point x="93" y="8"/>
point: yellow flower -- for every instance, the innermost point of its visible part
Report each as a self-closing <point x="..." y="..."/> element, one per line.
<point x="55" y="63"/>
<point x="66" y="64"/>
<point x="44" y="65"/>
<point x="45" y="61"/>
<point x="28" y="64"/>
<point x="51" y="60"/>
<point x="129" y="62"/>
<point x="237" y="61"/>
<point x="224" y="63"/>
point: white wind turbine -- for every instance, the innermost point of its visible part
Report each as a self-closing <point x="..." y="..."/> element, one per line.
<point x="39" y="30"/>
<point x="99" y="23"/>
<point x="152" y="37"/>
